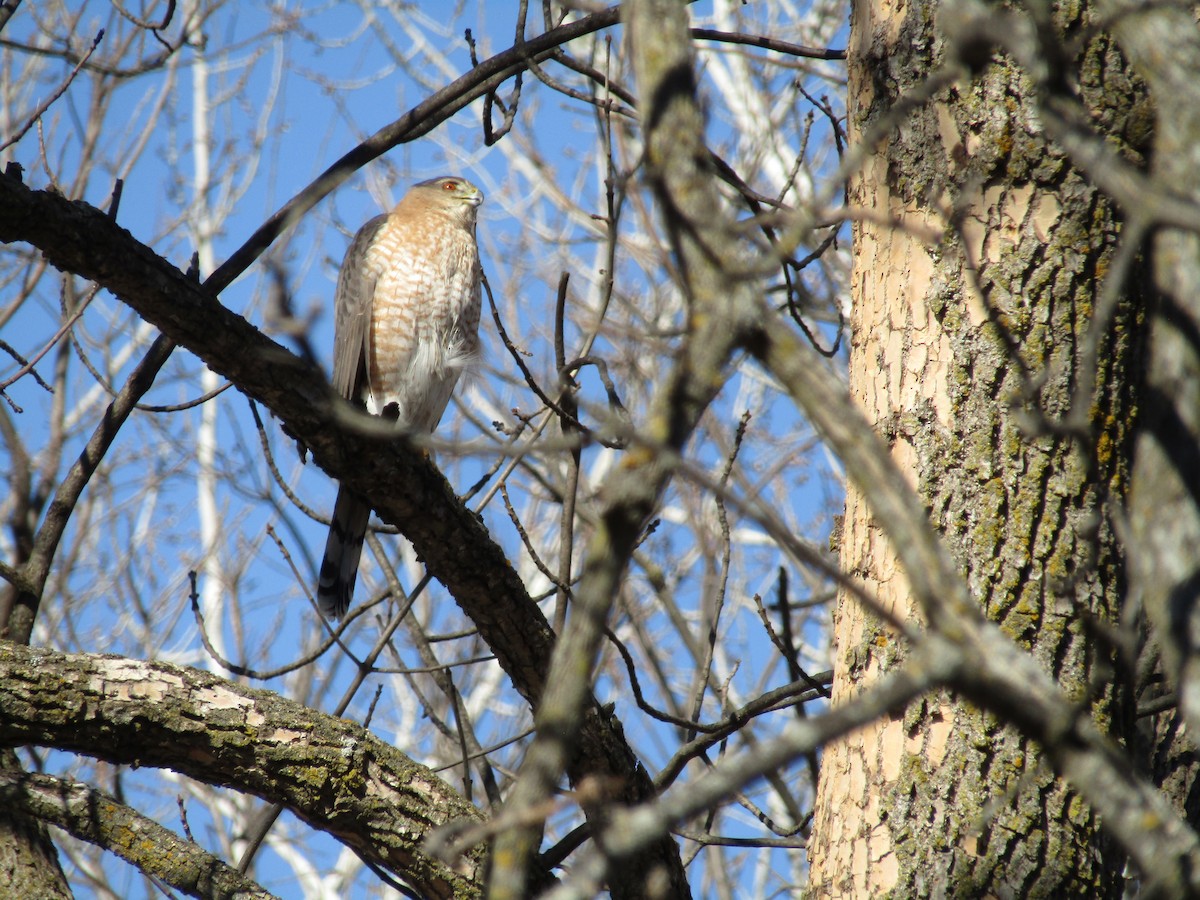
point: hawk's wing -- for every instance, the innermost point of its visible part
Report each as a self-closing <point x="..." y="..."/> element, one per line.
<point x="352" y="313"/>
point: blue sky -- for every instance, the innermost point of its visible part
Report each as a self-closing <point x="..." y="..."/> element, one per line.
<point x="290" y="99"/>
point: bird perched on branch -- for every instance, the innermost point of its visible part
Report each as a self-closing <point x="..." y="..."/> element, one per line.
<point x="406" y="322"/>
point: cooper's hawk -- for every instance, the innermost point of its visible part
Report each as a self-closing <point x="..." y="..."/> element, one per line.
<point x="406" y="321"/>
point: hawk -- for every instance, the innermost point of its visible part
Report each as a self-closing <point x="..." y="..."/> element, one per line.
<point x="406" y="321"/>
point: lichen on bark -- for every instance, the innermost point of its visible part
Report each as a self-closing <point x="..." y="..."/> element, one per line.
<point x="965" y="354"/>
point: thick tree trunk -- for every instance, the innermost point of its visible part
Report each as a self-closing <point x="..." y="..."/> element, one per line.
<point x="961" y="347"/>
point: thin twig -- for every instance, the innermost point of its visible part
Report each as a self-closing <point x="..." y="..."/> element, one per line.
<point x="49" y="101"/>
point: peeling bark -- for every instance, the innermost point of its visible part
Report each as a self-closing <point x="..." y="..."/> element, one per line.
<point x="330" y="772"/>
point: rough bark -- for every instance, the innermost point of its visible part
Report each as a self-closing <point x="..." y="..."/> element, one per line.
<point x="29" y="865"/>
<point x="330" y="772"/>
<point x="1164" y="510"/>
<point x="100" y="819"/>
<point x="989" y="669"/>
<point x="1164" y="504"/>
<point x="962" y="350"/>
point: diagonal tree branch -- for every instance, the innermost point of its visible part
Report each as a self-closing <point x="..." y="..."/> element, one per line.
<point x="329" y="771"/>
<point x="403" y="486"/>
<point x="406" y="490"/>
<point x="18" y="607"/>
<point x="418" y="121"/>
<point x="31" y="865"/>
<point x="931" y="664"/>
<point x="101" y="819"/>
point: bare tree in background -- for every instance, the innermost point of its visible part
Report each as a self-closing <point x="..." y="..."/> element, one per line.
<point x="599" y="660"/>
<point x="205" y="483"/>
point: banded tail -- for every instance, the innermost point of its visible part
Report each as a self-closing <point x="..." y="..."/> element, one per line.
<point x="343" y="551"/>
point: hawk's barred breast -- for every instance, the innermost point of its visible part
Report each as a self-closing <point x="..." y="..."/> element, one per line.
<point x="406" y="321"/>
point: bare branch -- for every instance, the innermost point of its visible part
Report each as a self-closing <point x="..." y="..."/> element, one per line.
<point x="220" y="732"/>
<point x="101" y="819"/>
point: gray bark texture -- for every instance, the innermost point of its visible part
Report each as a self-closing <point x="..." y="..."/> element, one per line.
<point x="100" y="819"/>
<point x="1164" y="500"/>
<point x="329" y="771"/>
<point x="29" y="865"/>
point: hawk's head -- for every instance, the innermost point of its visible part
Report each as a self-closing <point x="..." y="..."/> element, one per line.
<point x="456" y="195"/>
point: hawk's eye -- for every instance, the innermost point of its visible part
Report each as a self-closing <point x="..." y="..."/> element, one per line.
<point x="448" y="185"/>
